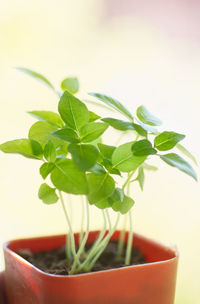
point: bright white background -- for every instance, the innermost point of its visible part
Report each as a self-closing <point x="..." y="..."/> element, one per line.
<point x="142" y="52"/>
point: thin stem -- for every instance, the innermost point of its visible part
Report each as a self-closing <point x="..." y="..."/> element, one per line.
<point x="82" y="221"/>
<point x="108" y="217"/>
<point x="81" y="248"/>
<point x="120" y="248"/>
<point x="130" y="235"/>
<point x="128" y="179"/>
<point x="69" y="224"/>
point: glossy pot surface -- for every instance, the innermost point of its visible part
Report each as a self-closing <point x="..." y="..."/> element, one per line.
<point x="150" y="283"/>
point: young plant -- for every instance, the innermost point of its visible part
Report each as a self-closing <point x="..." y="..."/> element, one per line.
<point x="76" y="161"/>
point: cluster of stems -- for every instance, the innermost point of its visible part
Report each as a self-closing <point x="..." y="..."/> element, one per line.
<point x="80" y="261"/>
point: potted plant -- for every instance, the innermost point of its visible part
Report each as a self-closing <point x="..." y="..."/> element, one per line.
<point x="107" y="266"/>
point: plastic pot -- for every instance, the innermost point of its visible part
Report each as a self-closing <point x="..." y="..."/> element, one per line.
<point x="150" y="283"/>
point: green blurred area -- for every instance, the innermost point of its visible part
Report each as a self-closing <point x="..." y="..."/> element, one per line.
<point x="132" y="56"/>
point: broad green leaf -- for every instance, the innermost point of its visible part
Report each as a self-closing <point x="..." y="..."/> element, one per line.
<point x="26" y="147"/>
<point x="84" y="155"/>
<point x="113" y="103"/>
<point x="48" y="116"/>
<point x="119" y="124"/>
<point x="117" y="195"/>
<point x="175" y="160"/>
<point x="142" y="148"/>
<point x="124" y="160"/>
<point x="149" y="167"/>
<point x="50" y="152"/>
<point x="167" y="140"/>
<point x="100" y="187"/>
<point x="146" y="117"/>
<point x="67" y="134"/>
<point x="106" y="150"/>
<point x="46" y="168"/>
<point x="97" y="169"/>
<point x="68" y="178"/>
<point x="47" y="194"/>
<point x="182" y="149"/>
<point x="141" y="177"/>
<point x="70" y="84"/>
<point x="73" y="111"/>
<point x="103" y="204"/>
<point x="92" y="131"/>
<point x="124" y="206"/>
<point x="41" y="132"/>
<point x="93" y="116"/>
<point x="36" y="76"/>
<point x="62" y="149"/>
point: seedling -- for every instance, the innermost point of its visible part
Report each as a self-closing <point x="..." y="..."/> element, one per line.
<point x="69" y="144"/>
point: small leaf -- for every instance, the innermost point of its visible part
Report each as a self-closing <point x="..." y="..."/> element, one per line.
<point x="149" y="167"/>
<point x="118" y="195"/>
<point x="106" y="150"/>
<point x="124" y="160"/>
<point x="113" y="103"/>
<point x="141" y="130"/>
<point x="142" y="148"/>
<point x="92" y="131"/>
<point x="74" y="112"/>
<point x="182" y="149"/>
<point x="119" y="124"/>
<point x="67" y="134"/>
<point x="46" y="168"/>
<point x="103" y="204"/>
<point x="62" y="149"/>
<point x="50" y="152"/>
<point x="68" y="178"/>
<point x="146" y="117"/>
<point x="70" y="84"/>
<point x="84" y="155"/>
<point x="124" y="206"/>
<point x="93" y="116"/>
<point x="26" y="147"/>
<point x="175" y="160"/>
<point x="141" y="178"/>
<point x="36" y="76"/>
<point x="167" y="140"/>
<point x="48" y="116"/>
<point x="41" y="132"/>
<point x="97" y="169"/>
<point x="147" y="128"/>
<point x="100" y="187"/>
<point x="47" y="194"/>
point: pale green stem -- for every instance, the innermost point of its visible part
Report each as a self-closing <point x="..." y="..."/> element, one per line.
<point x="128" y="179"/>
<point x="82" y="221"/>
<point x="69" y="224"/>
<point x="121" y="239"/>
<point x="130" y="235"/>
<point x="82" y="246"/>
<point x="108" y="217"/>
<point x="103" y="245"/>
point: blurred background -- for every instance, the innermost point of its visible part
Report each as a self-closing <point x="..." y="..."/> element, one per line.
<point x="141" y="52"/>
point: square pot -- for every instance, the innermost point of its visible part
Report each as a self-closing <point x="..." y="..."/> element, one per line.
<point x="150" y="283"/>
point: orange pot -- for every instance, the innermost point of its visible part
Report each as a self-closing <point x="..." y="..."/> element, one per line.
<point x="150" y="283"/>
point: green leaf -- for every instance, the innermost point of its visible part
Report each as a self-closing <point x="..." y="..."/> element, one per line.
<point x="62" y="149"/>
<point x="124" y="206"/>
<point x="182" y="149"/>
<point x="149" y="167"/>
<point x="124" y="160"/>
<point x="103" y="204"/>
<point x="70" y="84"/>
<point x="46" y="168"/>
<point x="147" y="128"/>
<point x="97" y="169"/>
<point x="118" y="195"/>
<point x="68" y="178"/>
<point x="93" y="116"/>
<point x="92" y="131"/>
<point x="119" y="124"/>
<point x="47" y="194"/>
<point x="67" y="134"/>
<point x="41" y="132"/>
<point x="175" y="160"/>
<point x="167" y="140"/>
<point x="48" y="116"/>
<point x="106" y="150"/>
<point x="113" y="103"/>
<point x="74" y="112"/>
<point x="84" y="155"/>
<point x="140" y="178"/>
<point x="50" y="152"/>
<point x="26" y="147"/>
<point x="100" y="187"/>
<point x="142" y="148"/>
<point x="36" y="76"/>
<point x="146" y="117"/>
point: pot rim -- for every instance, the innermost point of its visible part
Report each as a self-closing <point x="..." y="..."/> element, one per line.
<point x="172" y="249"/>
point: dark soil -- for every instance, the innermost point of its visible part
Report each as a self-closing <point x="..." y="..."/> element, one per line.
<point x="55" y="262"/>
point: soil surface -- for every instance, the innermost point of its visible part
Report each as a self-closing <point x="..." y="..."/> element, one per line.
<point x="55" y="261"/>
